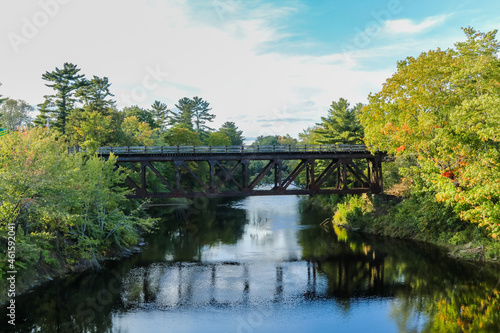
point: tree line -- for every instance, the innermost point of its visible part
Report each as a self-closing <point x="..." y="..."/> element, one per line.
<point x="84" y="114"/>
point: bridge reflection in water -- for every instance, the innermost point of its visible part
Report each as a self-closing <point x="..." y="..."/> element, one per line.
<point x="196" y="284"/>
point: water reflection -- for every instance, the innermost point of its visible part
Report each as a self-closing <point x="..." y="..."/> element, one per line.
<point x="264" y="265"/>
<point x="225" y="284"/>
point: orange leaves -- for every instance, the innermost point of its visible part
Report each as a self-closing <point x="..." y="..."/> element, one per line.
<point x="401" y="148"/>
<point x="407" y="129"/>
<point x="448" y="174"/>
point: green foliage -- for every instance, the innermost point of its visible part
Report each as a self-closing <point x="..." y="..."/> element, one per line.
<point x="15" y="114"/>
<point x="94" y="93"/>
<point x="230" y="130"/>
<point x="2" y="99"/>
<point x="160" y="113"/>
<point x="46" y="116"/>
<point x="352" y="210"/>
<point x="65" y="82"/>
<point x="309" y="135"/>
<point x="341" y="125"/>
<point x="137" y="133"/>
<point x="218" y="139"/>
<point x="201" y="115"/>
<point x="270" y="140"/>
<point x="184" y="116"/>
<point x="143" y="115"/>
<point x="180" y="136"/>
<point x="443" y="107"/>
<point x="193" y="114"/>
<point x="63" y="206"/>
<point x="89" y="128"/>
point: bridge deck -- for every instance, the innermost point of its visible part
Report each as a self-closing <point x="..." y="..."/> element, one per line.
<point x="252" y="149"/>
<point x="345" y="169"/>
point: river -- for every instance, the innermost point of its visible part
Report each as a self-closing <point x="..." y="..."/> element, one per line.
<point x="265" y="264"/>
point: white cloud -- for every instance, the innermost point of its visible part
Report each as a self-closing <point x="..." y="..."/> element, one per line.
<point x="219" y="59"/>
<point x="407" y="26"/>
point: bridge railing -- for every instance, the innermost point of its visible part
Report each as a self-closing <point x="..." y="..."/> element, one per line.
<point x="134" y="150"/>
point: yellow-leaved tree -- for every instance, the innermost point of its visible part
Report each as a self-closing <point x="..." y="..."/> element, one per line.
<point x="444" y="107"/>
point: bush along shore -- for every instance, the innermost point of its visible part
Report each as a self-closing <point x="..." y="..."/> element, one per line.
<point x="61" y="212"/>
<point x="414" y="215"/>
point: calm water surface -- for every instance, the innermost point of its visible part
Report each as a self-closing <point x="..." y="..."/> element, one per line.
<point x="263" y="264"/>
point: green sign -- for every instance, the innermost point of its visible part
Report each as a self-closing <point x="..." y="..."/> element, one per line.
<point x="3" y="131"/>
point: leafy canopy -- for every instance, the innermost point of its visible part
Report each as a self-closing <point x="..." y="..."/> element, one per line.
<point x="443" y="107"/>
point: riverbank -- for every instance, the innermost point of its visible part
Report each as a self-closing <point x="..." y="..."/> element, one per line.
<point x="40" y="273"/>
<point x="416" y="217"/>
<point x="34" y="274"/>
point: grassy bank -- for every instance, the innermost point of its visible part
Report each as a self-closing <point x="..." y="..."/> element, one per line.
<point x="414" y="216"/>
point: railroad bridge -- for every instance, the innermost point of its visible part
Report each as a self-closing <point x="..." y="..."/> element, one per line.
<point x="232" y="171"/>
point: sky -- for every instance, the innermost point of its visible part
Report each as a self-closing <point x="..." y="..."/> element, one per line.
<point x="272" y="67"/>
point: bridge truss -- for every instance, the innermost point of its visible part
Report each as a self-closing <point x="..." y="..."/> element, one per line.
<point x="191" y="171"/>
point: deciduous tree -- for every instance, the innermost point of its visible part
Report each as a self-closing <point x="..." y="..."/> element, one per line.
<point x="443" y="106"/>
<point x="218" y="139"/>
<point x="14" y="114"/>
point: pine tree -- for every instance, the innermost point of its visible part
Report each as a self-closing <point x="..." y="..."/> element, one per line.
<point x="341" y="125"/>
<point x="193" y="114"/>
<point x="201" y="115"/>
<point x="183" y="117"/>
<point x="94" y="94"/>
<point x="46" y="109"/>
<point x="65" y="82"/>
<point x="230" y="129"/>
<point x="160" y="112"/>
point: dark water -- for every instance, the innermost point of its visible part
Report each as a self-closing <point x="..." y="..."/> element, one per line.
<point x="263" y="264"/>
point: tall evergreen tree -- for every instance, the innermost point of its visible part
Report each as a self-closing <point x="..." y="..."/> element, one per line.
<point x="160" y="112"/>
<point x="94" y="94"/>
<point x="201" y="115"/>
<point x="184" y="116"/>
<point x="230" y="130"/>
<point x="65" y="82"/>
<point x="193" y="114"/>
<point x="341" y="125"/>
<point x="45" y="118"/>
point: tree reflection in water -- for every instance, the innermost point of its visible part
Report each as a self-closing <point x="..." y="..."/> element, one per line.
<point x="427" y="291"/>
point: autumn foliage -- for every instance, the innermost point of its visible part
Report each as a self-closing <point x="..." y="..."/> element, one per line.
<point x="443" y="107"/>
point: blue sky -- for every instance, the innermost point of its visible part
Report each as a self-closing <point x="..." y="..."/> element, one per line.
<point x="273" y="67"/>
